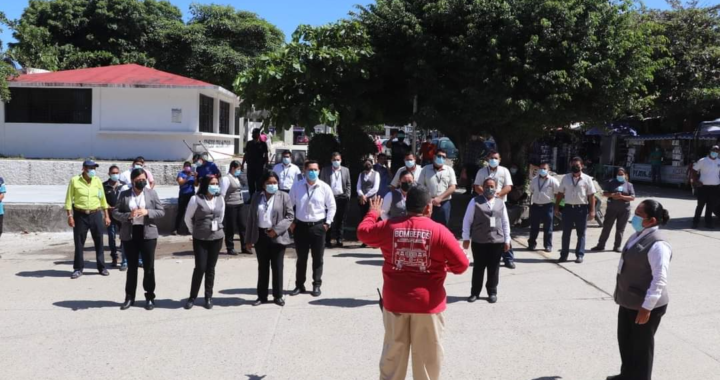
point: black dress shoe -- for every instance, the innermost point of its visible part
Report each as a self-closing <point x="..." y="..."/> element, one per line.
<point x="695" y="225"/>
<point x="297" y="291"/>
<point x="472" y="298"/>
<point x="114" y="263"/>
<point x="190" y="303"/>
<point x="328" y="245"/>
<point x="208" y="303"/>
<point x="617" y="250"/>
<point x="232" y="252"/>
<point x="149" y="305"/>
<point x="316" y="291"/>
<point x="510" y="264"/>
<point x="104" y="272"/>
<point x="531" y="247"/>
<point x="548" y="249"/>
<point x="562" y="259"/>
<point x="579" y="260"/>
<point x="598" y="248"/>
<point x="340" y="244"/>
<point x="76" y="274"/>
<point x="616" y="377"/>
<point x="363" y="245"/>
<point x="128" y="303"/>
<point x="259" y="302"/>
<point x="245" y="252"/>
<point x="492" y="298"/>
<point x="279" y="301"/>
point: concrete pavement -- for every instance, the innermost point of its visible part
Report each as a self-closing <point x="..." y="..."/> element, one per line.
<point x="551" y="321"/>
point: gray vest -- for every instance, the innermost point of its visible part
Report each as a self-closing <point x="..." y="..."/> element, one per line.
<point x="480" y="230"/>
<point x="233" y="196"/>
<point x="366" y="186"/>
<point x="635" y="277"/>
<point x="203" y="218"/>
<point x="397" y="207"/>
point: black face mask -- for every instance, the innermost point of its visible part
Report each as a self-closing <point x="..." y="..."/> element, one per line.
<point x="140" y="185"/>
<point x="405" y="186"/>
<point x="576" y="169"/>
<point x="368" y="167"/>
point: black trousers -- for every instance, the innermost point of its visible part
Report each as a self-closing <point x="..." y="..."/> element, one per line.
<point x="637" y="343"/>
<point x="708" y="198"/>
<point x="183" y="201"/>
<point x="309" y="239"/>
<point x="270" y="255"/>
<point x="364" y="208"/>
<point x="94" y="223"/>
<point x="618" y="214"/>
<point x="233" y="222"/>
<point x="486" y="257"/>
<point x="206" y="257"/>
<point x="135" y="248"/>
<point x="338" y="224"/>
<point x="253" y="177"/>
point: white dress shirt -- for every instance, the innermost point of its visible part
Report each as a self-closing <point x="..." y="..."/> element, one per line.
<point x="192" y="207"/>
<point x="415" y="171"/>
<point x="543" y="190"/>
<point x="336" y="181"/>
<point x="265" y="208"/>
<point x="709" y="170"/>
<point x="225" y="183"/>
<point x="137" y="202"/>
<point x="470" y="216"/>
<point x="376" y="184"/>
<point x="659" y="258"/>
<point x="313" y="203"/>
<point x="577" y="190"/>
<point x="287" y="175"/>
<point x="501" y="175"/>
<point x="437" y="181"/>
<point x="387" y="203"/>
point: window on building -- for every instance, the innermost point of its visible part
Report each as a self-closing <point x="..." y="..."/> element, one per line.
<point x="207" y="105"/>
<point x="224" y="118"/>
<point x="49" y="106"/>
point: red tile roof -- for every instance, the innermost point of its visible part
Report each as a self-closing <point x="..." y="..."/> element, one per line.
<point x="130" y="75"/>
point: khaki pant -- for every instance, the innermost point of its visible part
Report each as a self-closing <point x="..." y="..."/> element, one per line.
<point x="420" y="332"/>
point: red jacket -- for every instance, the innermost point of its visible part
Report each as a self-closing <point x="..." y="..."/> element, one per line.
<point x="418" y="253"/>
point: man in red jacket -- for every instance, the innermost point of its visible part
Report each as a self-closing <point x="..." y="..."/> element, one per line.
<point x="418" y="254"/>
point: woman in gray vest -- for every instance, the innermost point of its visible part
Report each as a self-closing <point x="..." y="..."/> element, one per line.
<point x="641" y="291"/>
<point x="486" y="224"/>
<point x="137" y="209"/>
<point x="368" y="184"/>
<point x="204" y="217"/>
<point x="619" y="193"/>
<point x="231" y="186"/>
<point x="270" y="216"/>
<point x="394" y="202"/>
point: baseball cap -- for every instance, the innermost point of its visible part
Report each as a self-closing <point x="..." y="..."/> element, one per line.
<point x="90" y="164"/>
<point x="715" y="147"/>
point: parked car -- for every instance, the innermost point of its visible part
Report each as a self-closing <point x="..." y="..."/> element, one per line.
<point x="448" y="146"/>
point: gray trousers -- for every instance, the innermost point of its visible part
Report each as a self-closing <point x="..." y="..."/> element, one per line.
<point x="618" y="213"/>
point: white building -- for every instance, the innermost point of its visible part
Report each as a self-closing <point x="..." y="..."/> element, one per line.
<point x="117" y="112"/>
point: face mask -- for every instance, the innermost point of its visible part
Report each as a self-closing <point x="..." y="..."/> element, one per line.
<point x="621" y="178"/>
<point x="238" y="173"/>
<point x="367" y="167"/>
<point x="405" y="186"/>
<point x="714" y="154"/>
<point x="114" y="177"/>
<point x="336" y="164"/>
<point x="272" y="189"/>
<point x="214" y="189"/>
<point x="494" y="162"/>
<point x="637" y="223"/>
<point x="489" y="192"/>
<point x="140" y="184"/>
<point x="286" y="160"/>
<point x="513" y="170"/>
<point x="401" y="137"/>
<point x="439" y="161"/>
<point x="576" y="169"/>
<point x="198" y="163"/>
<point x="312" y="175"/>
<point x="409" y="164"/>
<point x="138" y="166"/>
<point x="187" y="169"/>
<point x="543" y="172"/>
<point x="91" y="173"/>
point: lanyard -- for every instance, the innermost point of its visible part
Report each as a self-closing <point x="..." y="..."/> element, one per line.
<point x="575" y="184"/>
<point x="337" y="175"/>
<point x="137" y="199"/>
<point x="307" y="191"/>
<point x="491" y="174"/>
<point x="438" y="175"/>
<point x="543" y="184"/>
<point x="490" y="208"/>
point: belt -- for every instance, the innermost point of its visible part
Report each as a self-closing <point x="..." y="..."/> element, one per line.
<point x="86" y="212"/>
<point x="575" y="206"/>
<point x="542" y="204"/>
<point x="309" y="224"/>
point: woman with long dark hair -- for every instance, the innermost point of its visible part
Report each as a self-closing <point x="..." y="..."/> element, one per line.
<point x="641" y="291"/>
<point x="204" y="219"/>
<point x="137" y="209"/>
<point x="270" y="217"/>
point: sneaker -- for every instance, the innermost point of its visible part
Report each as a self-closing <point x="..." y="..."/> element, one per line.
<point x="104" y="272"/>
<point x="76" y="274"/>
<point x="579" y="260"/>
<point x="123" y="267"/>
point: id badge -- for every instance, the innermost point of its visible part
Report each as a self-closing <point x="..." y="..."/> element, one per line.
<point x="620" y="266"/>
<point x="492" y="223"/>
<point x="214" y="225"/>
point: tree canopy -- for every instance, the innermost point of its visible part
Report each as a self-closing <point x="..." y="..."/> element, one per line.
<point x="6" y="70"/>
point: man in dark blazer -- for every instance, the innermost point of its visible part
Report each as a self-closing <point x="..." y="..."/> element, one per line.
<point x="338" y="178"/>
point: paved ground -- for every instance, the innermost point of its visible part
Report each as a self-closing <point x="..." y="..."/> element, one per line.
<point x="551" y="322"/>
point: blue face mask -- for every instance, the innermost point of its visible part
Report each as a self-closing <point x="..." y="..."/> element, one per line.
<point x="272" y="189"/>
<point x="714" y="154"/>
<point x="621" y="178"/>
<point x="286" y="160"/>
<point x="214" y="189"/>
<point x="637" y="223"/>
<point x="336" y="164"/>
<point x="114" y="177"/>
<point x="138" y="166"/>
<point x="543" y="172"/>
<point x="312" y="175"/>
<point x="493" y="162"/>
<point x="91" y="173"/>
<point x="409" y="164"/>
<point x="238" y="173"/>
<point x="439" y="161"/>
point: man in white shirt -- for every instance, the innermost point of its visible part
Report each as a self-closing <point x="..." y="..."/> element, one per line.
<point x="706" y="173"/>
<point x="439" y="179"/>
<point x="542" y="189"/>
<point x="410" y="167"/>
<point x="338" y="177"/>
<point x="314" y="211"/>
<point x="138" y="163"/>
<point x="578" y="190"/>
<point x="287" y="172"/>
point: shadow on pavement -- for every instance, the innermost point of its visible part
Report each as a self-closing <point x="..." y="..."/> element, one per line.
<point x="548" y="378"/>
<point x="256" y="377"/>
<point x="85" y="305"/>
<point x="535" y="261"/>
<point x="343" y="302"/>
<point x="45" y="273"/>
<point x="377" y="263"/>
<point x="251" y="292"/>
<point x="455" y="299"/>
<point x="359" y="255"/>
<point x="229" y="302"/>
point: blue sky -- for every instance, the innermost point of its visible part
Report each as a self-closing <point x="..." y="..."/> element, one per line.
<point x="286" y="14"/>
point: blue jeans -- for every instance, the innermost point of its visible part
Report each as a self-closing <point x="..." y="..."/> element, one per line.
<point x="541" y="214"/>
<point x="112" y="234"/>
<point x="441" y="214"/>
<point x="574" y="218"/>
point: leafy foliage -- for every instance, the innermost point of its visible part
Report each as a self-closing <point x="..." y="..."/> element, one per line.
<point x="6" y="71"/>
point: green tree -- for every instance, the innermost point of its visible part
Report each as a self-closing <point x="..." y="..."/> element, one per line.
<point x="6" y="70"/>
